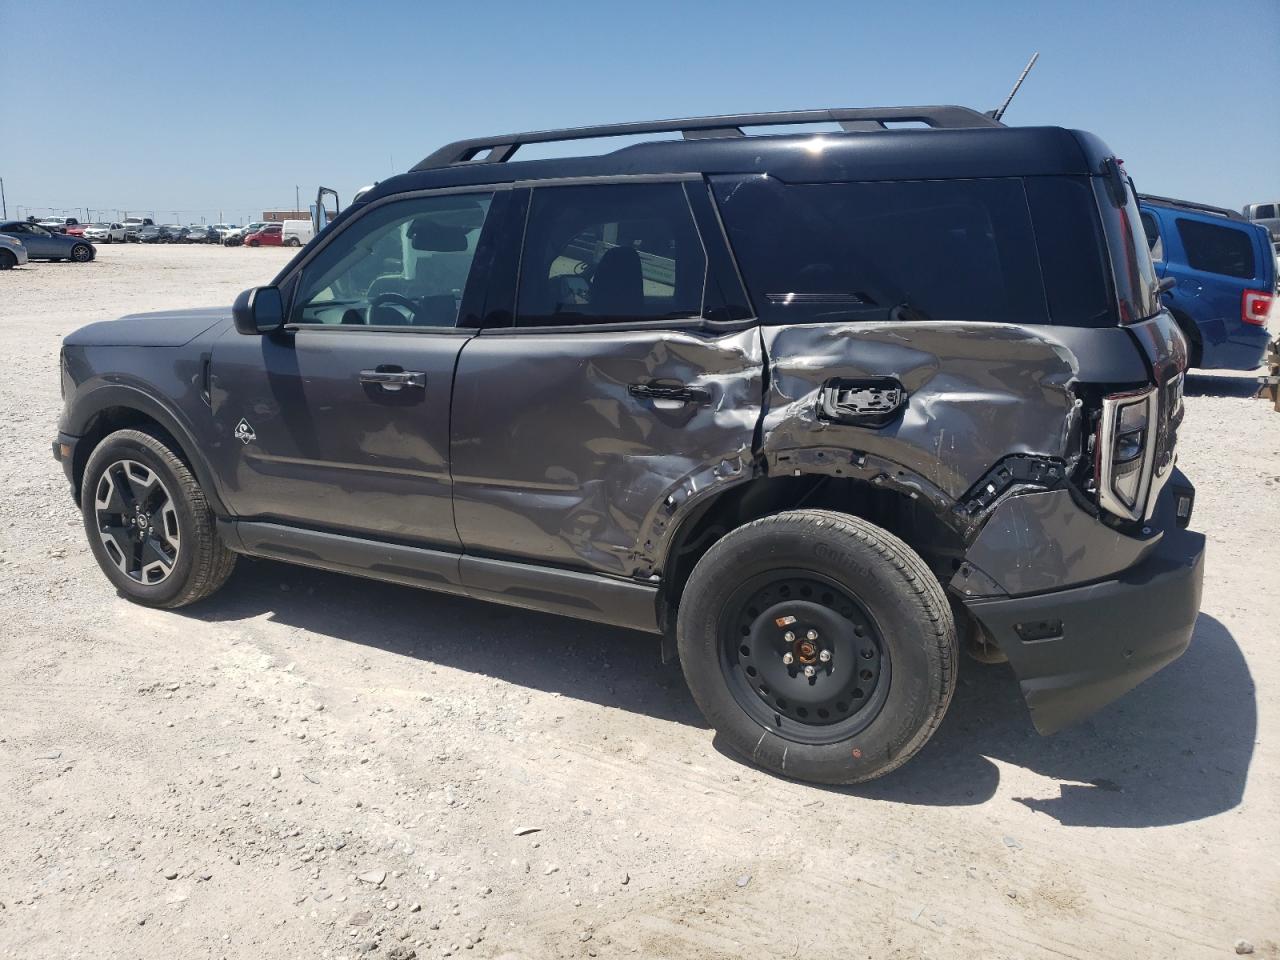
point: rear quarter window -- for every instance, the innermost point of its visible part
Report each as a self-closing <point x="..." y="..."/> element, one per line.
<point x="1216" y="249"/>
<point x="954" y="250"/>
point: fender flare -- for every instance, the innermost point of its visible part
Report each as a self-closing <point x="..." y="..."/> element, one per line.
<point x="86" y="409"/>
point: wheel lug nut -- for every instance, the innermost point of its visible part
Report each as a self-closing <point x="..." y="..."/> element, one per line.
<point x="788" y="659"/>
<point x="825" y="656"/>
<point x="811" y="635"/>
<point x="809" y="671"/>
<point x="789" y="637"/>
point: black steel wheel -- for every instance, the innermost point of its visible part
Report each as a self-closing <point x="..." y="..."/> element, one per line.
<point x="818" y="645"/>
<point x="7" y="260"/>
<point x="801" y="654"/>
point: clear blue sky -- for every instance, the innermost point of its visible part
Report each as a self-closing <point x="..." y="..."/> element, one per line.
<point x="201" y="107"/>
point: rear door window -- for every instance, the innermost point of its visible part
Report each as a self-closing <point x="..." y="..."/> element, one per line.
<point x="610" y="253"/>
<point x="1215" y="249"/>
<point x="958" y="250"/>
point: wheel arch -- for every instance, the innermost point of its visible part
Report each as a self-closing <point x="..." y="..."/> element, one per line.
<point x="923" y="522"/>
<point x="119" y="407"/>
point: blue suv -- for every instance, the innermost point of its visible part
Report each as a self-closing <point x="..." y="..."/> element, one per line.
<point x="1224" y="276"/>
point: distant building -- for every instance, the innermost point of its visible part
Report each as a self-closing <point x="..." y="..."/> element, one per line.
<point x="278" y="216"/>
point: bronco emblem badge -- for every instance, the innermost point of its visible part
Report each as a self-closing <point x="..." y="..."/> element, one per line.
<point x="244" y="433"/>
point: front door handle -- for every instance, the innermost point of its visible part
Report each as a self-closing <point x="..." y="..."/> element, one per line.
<point x="394" y="379"/>
<point x="666" y="391"/>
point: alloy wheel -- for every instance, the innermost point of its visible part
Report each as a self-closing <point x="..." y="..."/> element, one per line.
<point x="137" y="521"/>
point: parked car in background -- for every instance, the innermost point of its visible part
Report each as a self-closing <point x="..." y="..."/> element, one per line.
<point x="76" y="230"/>
<point x="12" y="252"/>
<point x="294" y="233"/>
<point x="149" y="233"/>
<point x="200" y="233"/>
<point x="1267" y="214"/>
<point x="237" y="236"/>
<point x="1223" y="270"/>
<point x="43" y="244"/>
<point x="57" y="224"/>
<point x="270" y="235"/>
<point x="224" y="229"/>
<point x="173" y="233"/>
<point x="133" y="226"/>
<point x="105" y="233"/>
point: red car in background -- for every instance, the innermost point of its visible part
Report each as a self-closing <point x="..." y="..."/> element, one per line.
<point x="268" y="236"/>
<point x="76" y="229"/>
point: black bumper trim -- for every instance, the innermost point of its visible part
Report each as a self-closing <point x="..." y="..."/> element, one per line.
<point x="1113" y="634"/>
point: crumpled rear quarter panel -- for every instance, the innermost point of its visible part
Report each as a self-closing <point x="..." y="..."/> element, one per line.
<point x="975" y="393"/>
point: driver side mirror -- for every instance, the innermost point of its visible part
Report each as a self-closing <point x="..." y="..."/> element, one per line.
<point x="259" y="310"/>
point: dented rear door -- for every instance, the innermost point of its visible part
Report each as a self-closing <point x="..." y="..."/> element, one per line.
<point x="618" y="380"/>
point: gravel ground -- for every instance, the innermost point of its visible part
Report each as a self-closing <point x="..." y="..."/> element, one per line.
<point x="310" y="765"/>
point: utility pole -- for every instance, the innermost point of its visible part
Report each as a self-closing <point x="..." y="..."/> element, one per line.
<point x="296" y="196"/>
<point x="4" y="209"/>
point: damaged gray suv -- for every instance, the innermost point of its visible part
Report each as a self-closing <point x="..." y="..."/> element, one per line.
<point x="815" y="408"/>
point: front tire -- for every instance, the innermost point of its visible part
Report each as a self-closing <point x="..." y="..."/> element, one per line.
<point x="149" y="525"/>
<point x="818" y="645"/>
<point x="7" y="260"/>
<point x="82" y="253"/>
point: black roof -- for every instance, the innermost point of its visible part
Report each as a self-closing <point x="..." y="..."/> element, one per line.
<point x="964" y="147"/>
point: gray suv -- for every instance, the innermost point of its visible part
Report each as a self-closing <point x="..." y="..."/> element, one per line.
<point x="814" y="409"/>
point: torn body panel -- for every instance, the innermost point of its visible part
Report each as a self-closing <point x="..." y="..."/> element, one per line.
<point x="570" y="465"/>
<point x="973" y="393"/>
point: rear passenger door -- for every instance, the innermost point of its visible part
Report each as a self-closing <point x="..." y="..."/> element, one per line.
<point x="618" y="374"/>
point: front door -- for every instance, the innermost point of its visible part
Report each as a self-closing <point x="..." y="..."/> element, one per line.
<point x="625" y="379"/>
<point x="341" y="421"/>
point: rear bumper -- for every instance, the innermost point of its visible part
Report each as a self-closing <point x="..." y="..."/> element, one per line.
<point x="1076" y="650"/>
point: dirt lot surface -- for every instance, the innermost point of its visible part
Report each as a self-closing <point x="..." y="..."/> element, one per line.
<point x="310" y="765"/>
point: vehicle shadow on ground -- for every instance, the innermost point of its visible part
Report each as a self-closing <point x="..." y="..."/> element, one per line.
<point x="1176" y="749"/>
<point x="1219" y="385"/>
<point x="592" y="662"/>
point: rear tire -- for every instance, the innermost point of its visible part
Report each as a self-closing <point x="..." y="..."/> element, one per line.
<point x="148" y="523"/>
<point x="872" y="624"/>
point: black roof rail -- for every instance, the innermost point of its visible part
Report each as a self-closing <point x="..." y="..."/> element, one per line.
<point x="850" y="119"/>
<point x="1192" y="205"/>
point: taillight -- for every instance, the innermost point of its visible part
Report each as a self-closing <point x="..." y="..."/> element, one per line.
<point x="1125" y="443"/>
<point x="1255" y="307"/>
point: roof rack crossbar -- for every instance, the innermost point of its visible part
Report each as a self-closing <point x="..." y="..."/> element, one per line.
<point x="499" y="149"/>
<point x="1192" y="205"/>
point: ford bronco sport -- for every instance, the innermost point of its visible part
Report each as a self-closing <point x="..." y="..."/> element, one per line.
<point x="816" y="409"/>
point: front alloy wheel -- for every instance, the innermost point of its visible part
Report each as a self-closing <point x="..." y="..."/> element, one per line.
<point x="137" y="521"/>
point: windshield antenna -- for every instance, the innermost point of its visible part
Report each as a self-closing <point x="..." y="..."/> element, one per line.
<point x="997" y="113"/>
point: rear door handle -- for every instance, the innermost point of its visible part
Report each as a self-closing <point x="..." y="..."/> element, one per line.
<point x="394" y="379"/>
<point x="665" y="391"/>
